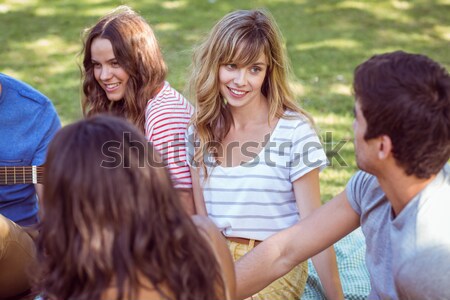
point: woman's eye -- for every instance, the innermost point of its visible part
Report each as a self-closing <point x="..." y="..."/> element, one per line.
<point x="255" y="69"/>
<point x="231" y="66"/>
<point x="115" y="64"/>
<point x="96" y="65"/>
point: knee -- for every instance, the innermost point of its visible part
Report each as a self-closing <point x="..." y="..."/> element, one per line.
<point x="17" y="254"/>
<point x="5" y="231"/>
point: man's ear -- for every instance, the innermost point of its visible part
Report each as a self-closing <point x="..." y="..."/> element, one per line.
<point x="384" y="146"/>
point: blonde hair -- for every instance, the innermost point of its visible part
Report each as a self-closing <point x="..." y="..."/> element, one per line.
<point x="239" y="37"/>
<point x="137" y="51"/>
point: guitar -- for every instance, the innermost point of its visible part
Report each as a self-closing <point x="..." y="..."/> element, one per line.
<point x="21" y="175"/>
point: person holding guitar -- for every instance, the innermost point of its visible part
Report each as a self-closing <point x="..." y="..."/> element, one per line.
<point x="28" y="122"/>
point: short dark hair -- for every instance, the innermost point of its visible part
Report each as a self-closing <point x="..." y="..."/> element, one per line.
<point x="407" y="97"/>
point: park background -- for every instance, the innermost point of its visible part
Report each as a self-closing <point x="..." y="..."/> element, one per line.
<point x="40" y="42"/>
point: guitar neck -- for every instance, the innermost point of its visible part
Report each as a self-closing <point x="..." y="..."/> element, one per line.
<point x="21" y="175"/>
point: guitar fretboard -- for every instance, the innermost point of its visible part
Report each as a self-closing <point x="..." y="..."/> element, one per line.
<point x="20" y="175"/>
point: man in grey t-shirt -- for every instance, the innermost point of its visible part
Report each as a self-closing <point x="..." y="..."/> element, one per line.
<point x="400" y="198"/>
<point x="394" y="239"/>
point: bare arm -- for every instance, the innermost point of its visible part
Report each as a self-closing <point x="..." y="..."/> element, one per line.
<point x="199" y="201"/>
<point x="187" y="200"/>
<point x="307" y="194"/>
<point x="221" y="251"/>
<point x="287" y="248"/>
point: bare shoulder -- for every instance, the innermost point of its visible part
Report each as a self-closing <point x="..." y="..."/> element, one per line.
<point x="206" y="226"/>
<point x="202" y="221"/>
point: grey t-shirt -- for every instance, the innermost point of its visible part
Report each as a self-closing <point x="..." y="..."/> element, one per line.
<point x="393" y="242"/>
<point x="422" y="234"/>
<point x="370" y="203"/>
<point x="425" y="275"/>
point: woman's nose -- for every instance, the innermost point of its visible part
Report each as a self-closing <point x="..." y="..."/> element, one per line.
<point x="241" y="77"/>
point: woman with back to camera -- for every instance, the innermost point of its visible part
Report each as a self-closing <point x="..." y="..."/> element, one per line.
<point x="255" y="157"/>
<point x="115" y="229"/>
<point x="124" y="73"/>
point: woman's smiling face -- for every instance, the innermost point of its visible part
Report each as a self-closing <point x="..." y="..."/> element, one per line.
<point x="107" y="71"/>
<point x="240" y="85"/>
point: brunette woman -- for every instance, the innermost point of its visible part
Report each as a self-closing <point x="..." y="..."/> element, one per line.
<point x="114" y="228"/>
<point x="124" y="73"/>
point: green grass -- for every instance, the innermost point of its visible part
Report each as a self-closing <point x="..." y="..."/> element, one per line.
<point x="40" y="41"/>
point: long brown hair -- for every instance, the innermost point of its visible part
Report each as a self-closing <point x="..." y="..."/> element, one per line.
<point x="137" y="52"/>
<point x="112" y="219"/>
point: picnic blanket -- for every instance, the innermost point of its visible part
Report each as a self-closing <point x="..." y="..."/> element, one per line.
<point x="350" y="255"/>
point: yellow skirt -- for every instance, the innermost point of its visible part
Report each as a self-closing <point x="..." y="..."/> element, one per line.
<point x="288" y="287"/>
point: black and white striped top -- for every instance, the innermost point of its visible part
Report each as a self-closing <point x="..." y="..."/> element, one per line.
<point x="256" y="199"/>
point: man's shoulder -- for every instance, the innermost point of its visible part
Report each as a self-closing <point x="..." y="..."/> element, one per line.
<point x="23" y="91"/>
<point x="363" y="180"/>
<point x="434" y="197"/>
<point x="364" y="192"/>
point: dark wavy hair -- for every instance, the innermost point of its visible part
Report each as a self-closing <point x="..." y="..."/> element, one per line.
<point x="407" y="97"/>
<point x="137" y="52"/>
<point x="116" y="221"/>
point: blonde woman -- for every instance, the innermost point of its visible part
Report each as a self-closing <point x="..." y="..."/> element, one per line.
<point x="255" y="157"/>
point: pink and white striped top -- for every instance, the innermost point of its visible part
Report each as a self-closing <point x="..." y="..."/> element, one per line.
<point x="166" y="119"/>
